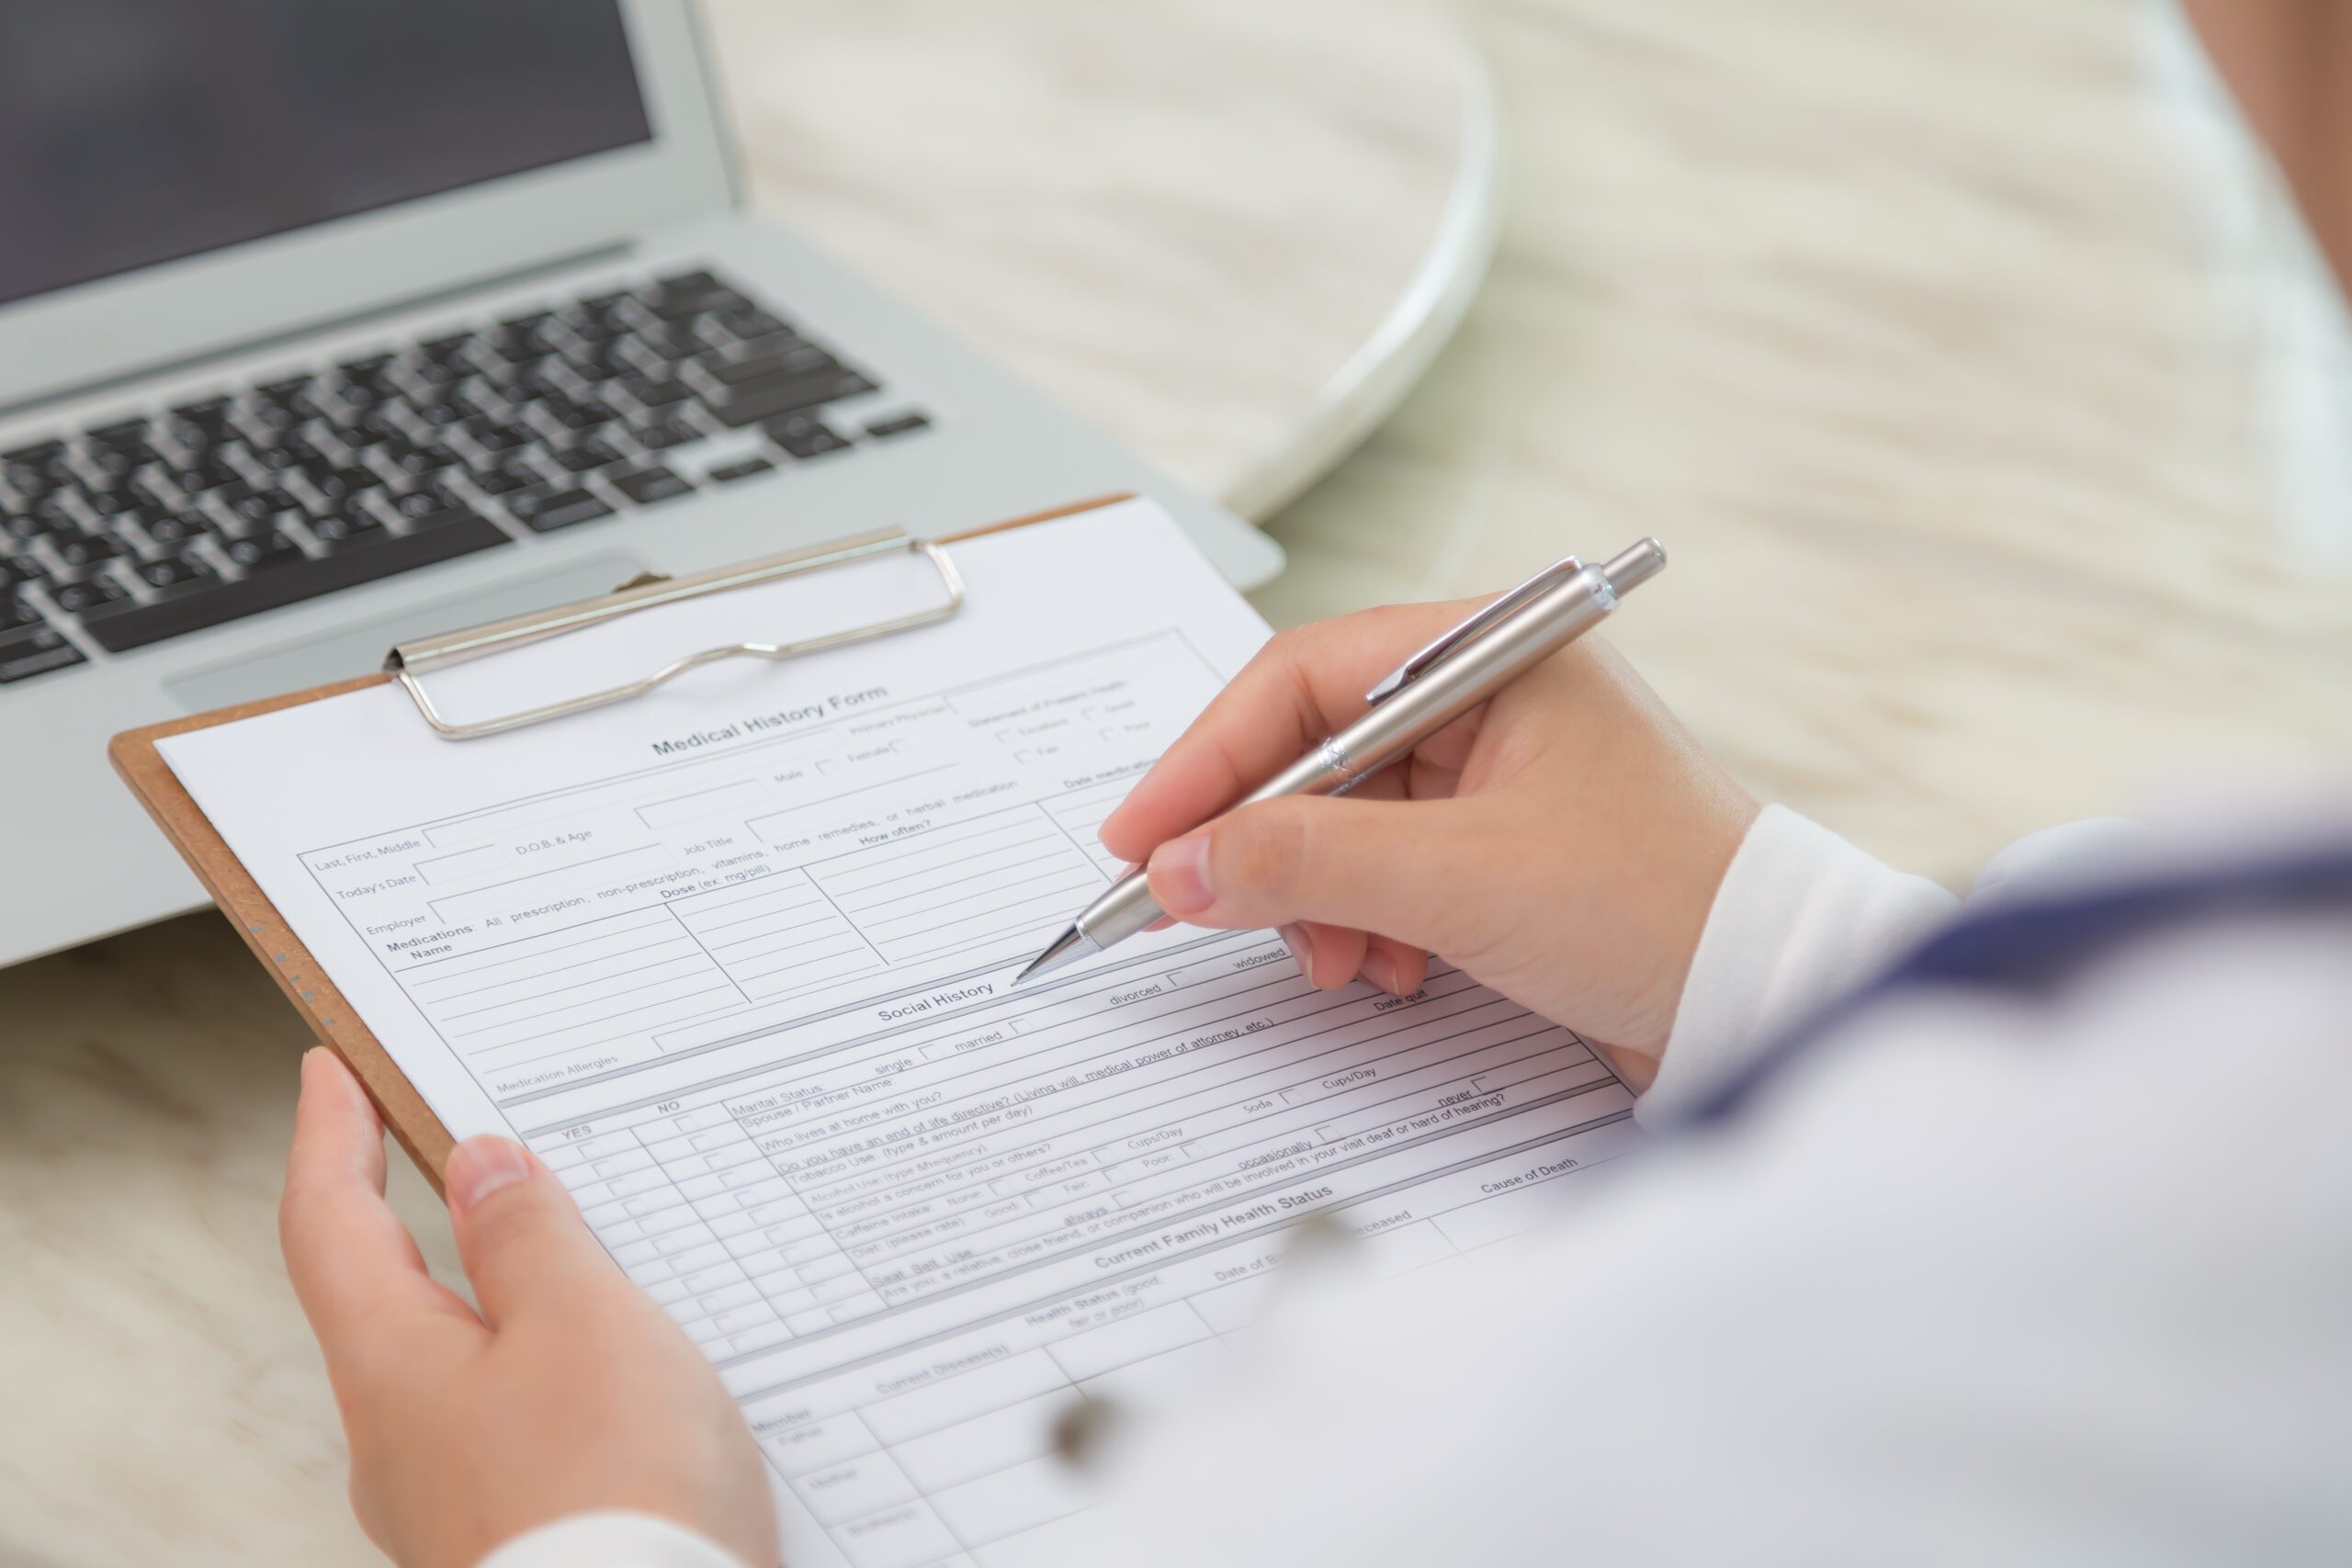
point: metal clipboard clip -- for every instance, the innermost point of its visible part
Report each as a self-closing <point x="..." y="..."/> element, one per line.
<point x="406" y="662"/>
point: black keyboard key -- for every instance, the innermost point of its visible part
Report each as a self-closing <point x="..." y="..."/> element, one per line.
<point x="83" y="594"/>
<point x="581" y="413"/>
<point x="674" y="341"/>
<point x="347" y="529"/>
<point x="441" y="415"/>
<point x="14" y="611"/>
<point x="104" y="465"/>
<point x="208" y="476"/>
<point x="206" y="414"/>
<point x="50" y="518"/>
<point x="419" y="461"/>
<point x="264" y="552"/>
<point x="728" y="473"/>
<point x="645" y="486"/>
<point x="125" y="433"/>
<point x="682" y="307"/>
<point x="763" y="401"/>
<point x="179" y="573"/>
<point x="656" y="393"/>
<point x="689" y="285"/>
<point x="501" y="481"/>
<point x="368" y="372"/>
<point x="755" y="323"/>
<point x="35" y="650"/>
<point x="549" y="508"/>
<point x="292" y="582"/>
<point x="662" y="436"/>
<point x="86" y="551"/>
<point x="587" y="457"/>
<point x="882" y="429"/>
<point x="256" y="510"/>
<point x="495" y="438"/>
<point x="426" y="501"/>
<point x="518" y="353"/>
<point x="736" y="373"/>
<point x="118" y="501"/>
<point x="446" y="350"/>
<point x="433" y="373"/>
<point x="38" y="453"/>
<point x="593" y="368"/>
<point x="265" y="419"/>
<point x="339" y="483"/>
<point x="170" y="530"/>
<point x="805" y="436"/>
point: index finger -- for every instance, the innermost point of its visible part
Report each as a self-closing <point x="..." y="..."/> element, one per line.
<point x="1302" y="685"/>
<point x="355" y="1268"/>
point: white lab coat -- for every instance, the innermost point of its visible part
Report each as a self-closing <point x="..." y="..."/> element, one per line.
<point x="1980" y="1276"/>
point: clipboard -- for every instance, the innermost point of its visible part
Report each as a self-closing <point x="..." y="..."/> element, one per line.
<point x="329" y="1015"/>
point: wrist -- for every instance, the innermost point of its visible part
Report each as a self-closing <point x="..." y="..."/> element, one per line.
<point x="1800" y="917"/>
<point x="611" y="1539"/>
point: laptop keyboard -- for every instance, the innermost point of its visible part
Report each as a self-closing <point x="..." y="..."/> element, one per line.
<point x="147" y="529"/>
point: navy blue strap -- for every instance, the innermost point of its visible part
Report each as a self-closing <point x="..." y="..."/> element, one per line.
<point x="2032" y="946"/>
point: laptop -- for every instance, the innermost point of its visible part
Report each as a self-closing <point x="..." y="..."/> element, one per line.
<point x="323" y="327"/>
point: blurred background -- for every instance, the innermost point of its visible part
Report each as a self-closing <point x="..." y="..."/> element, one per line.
<point x="1963" y="353"/>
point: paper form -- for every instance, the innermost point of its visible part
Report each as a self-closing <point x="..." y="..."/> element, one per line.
<point x="735" y="959"/>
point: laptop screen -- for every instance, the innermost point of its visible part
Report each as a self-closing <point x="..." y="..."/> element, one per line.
<point x="134" y="133"/>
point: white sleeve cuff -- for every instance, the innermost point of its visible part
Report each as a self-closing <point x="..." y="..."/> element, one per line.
<point x="611" y="1540"/>
<point x="1803" y="916"/>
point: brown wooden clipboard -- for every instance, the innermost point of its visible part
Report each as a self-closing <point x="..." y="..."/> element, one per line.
<point x="304" y="980"/>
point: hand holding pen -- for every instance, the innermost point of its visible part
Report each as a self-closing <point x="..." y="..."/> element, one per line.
<point x="1561" y="841"/>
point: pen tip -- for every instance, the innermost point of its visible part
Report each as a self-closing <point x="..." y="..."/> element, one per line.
<point x="1067" y="948"/>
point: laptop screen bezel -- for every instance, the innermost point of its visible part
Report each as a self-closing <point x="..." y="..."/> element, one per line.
<point x="169" y="314"/>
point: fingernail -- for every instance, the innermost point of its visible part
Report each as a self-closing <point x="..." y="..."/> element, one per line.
<point x="1381" y="970"/>
<point x="479" y="1166"/>
<point x="1180" y="875"/>
<point x="1301" y="945"/>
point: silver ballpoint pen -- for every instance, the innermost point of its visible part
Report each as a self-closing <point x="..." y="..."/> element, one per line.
<point x="1430" y="690"/>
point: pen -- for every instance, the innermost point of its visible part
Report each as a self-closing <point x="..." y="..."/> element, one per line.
<point x="1430" y="690"/>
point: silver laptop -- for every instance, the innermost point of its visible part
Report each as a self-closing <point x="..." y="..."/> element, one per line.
<point x="323" y="326"/>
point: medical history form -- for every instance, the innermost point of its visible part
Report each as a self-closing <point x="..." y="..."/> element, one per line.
<point x="736" y="958"/>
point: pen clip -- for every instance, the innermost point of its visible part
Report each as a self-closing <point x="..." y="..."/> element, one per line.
<point x="1483" y="621"/>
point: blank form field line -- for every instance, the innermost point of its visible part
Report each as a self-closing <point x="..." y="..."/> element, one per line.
<point x="761" y="936"/>
<point x="1007" y="934"/>
<point x="1045" y="838"/>
<point x="607" y="1039"/>
<point x="558" y="969"/>
<point x="848" y="794"/>
<point x="763" y="915"/>
<point x="604" y="1018"/>
<point x="434" y="904"/>
<point x="834" y="980"/>
<point x="804" y="955"/>
<point x="862" y="911"/>
<point x="758" y="893"/>
<point x="561" y="991"/>
<point x="991" y="909"/>
<point x="539" y="974"/>
<point x="917" y="845"/>
<point x="657" y="813"/>
<point x="515" y="940"/>
<point x="796" y="908"/>
<point x="582" y="1002"/>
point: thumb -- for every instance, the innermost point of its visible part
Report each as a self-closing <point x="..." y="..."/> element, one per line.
<point x="1393" y="868"/>
<point x="520" y="1235"/>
